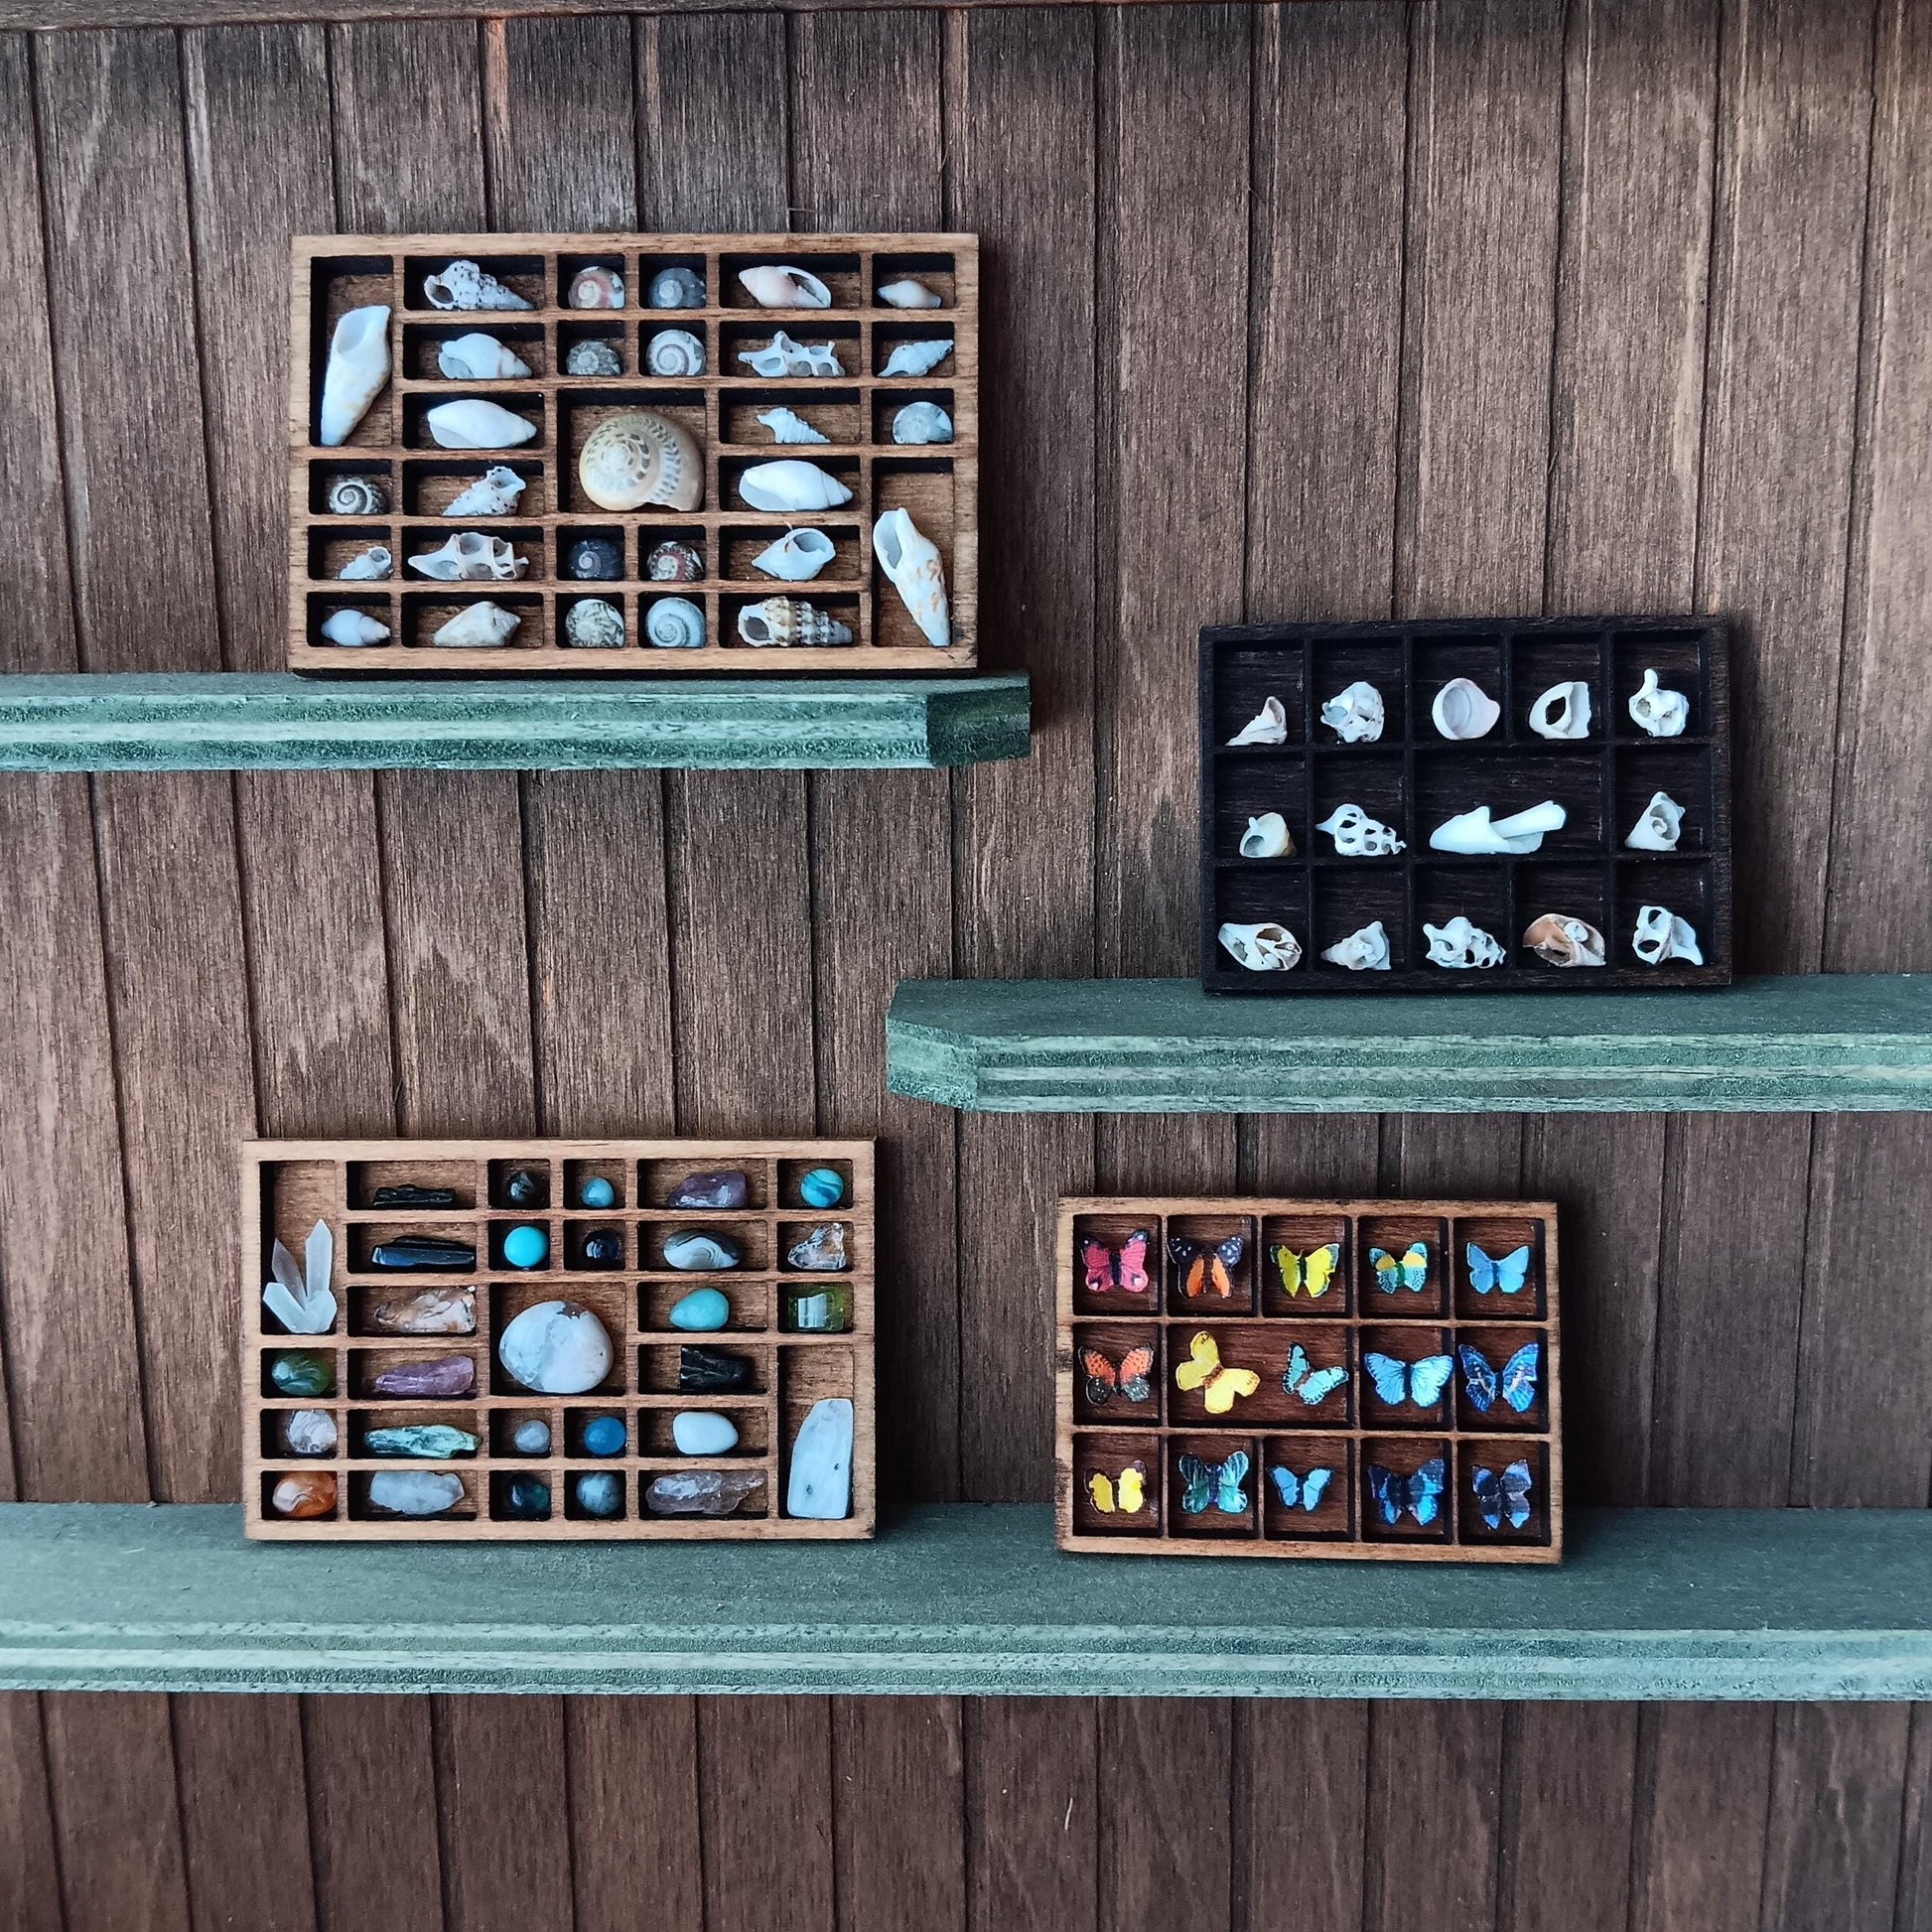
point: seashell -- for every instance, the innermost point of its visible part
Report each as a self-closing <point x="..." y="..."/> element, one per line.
<point x="911" y="560"/>
<point x="1463" y="709"/>
<point x="786" y="620"/>
<point x="782" y="357"/>
<point x="1262" y="948"/>
<point x="493" y="493"/>
<point x="1363" y="951"/>
<point x="1562" y="941"/>
<point x="1267" y="838"/>
<point x="639" y="457"/>
<point x="596" y="287"/>
<point x="916" y="357"/>
<point x="477" y="627"/>
<point x="477" y="357"/>
<point x="353" y="627"/>
<point x="465" y="285"/>
<point x="1355" y="715"/>
<point x="1476" y="832"/>
<point x="595" y="559"/>
<point x="593" y="624"/>
<point x="674" y="351"/>
<point x="593" y="356"/>
<point x="1357" y="836"/>
<point x="676" y="288"/>
<point x="358" y="366"/>
<point x="674" y="624"/>
<point x="1662" y="935"/>
<point x="470" y="423"/>
<point x="1460" y="945"/>
<point x="921" y="422"/>
<point x="1658" y="828"/>
<point x="1663" y="714"/>
<point x="674" y="563"/>
<point x="1563" y="711"/>
<point x="797" y="556"/>
<point x="786" y="426"/>
<point x="1269" y="726"/>
<point x="367" y="565"/>
<point x="791" y="484"/>
<point x="357" y="496"/>
<point x="773" y="287"/>
<point x="470" y="557"/>
<point x="908" y="293"/>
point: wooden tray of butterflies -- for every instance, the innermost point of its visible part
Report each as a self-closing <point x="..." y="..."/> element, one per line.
<point x="1308" y="1378"/>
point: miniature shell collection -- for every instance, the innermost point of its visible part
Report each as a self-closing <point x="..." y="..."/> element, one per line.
<point x="1464" y="803"/>
<point x="797" y="471"/>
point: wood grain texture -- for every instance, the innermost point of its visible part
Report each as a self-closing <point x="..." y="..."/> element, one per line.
<point x="1701" y="1796"/>
<point x="1165" y="1866"/>
<point x="373" y="1811"/>
<point x="766" y="1801"/>
<point x="899" y="1774"/>
<point x="633" y="1811"/>
<point x="1299" y="1797"/>
<point x="1567" y="1785"/>
<point x="1032" y="1797"/>
<point x="30" y="1876"/>
<point x="505" y="1825"/>
<point x="1435" y="1771"/>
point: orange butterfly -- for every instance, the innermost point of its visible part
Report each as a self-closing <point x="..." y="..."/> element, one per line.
<point x="1130" y="1380"/>
<point x="1203" y="1265"/>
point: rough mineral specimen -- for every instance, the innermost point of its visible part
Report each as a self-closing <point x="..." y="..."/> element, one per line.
<point x="704" y="1492"/>
<point x="720" y="1189"/>
<point x="437" y="1381"/>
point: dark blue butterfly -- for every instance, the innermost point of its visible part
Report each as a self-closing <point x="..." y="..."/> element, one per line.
<point x="1418" y="1493"/>
<point x="1305" y="1490"/>
<point x="1517" y="1383"/>
<point x="1505" y="1493"/>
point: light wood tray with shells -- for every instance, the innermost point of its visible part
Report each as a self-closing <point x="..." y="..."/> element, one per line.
<point x="391" y="447"/>
<point x="288" y="1186"/>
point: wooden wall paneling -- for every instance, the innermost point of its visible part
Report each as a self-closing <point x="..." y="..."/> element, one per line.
<point x="1698" y="1857"/>
<point x="900" y="1854"/>
<point x="1020" y="111"/>
<point x="1166" y="1821"/>
<point x="633" y="1813"/>
<point x="372" y="1818"/>
<point x="29" y="1872"/>
<point x="766" y="1798"/>
<point x="501" y="1790"/>
<point x="1912" y="1907"/>
<point x="1299" y="1792"/>
<point x="1568" y="1796"/>
<point x="1433" y="1817"/>
<point x="1033" y="1804"/>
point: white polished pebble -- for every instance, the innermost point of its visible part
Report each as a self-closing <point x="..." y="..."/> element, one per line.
<point x="703" y="1432"/>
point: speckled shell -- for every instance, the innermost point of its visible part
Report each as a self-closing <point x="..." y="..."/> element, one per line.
<point x="786" y="621"/>
<point x="466" y="285"/>
<point x="639" y="458"/>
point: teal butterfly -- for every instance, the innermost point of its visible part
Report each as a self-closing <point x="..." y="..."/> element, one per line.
<point x="1409" y="1270"/>
<point x="1305" y="1490"/>
<point x="1505" y="1493"/>
<point x="1311" y="1385"/>
<point x="1420" y="1382"/>
<point x="1418" y="1493"/>
<point x="1516" y="1384"/>
<point x="1507" y="1273"/>
<point x="1218" y="1483"/>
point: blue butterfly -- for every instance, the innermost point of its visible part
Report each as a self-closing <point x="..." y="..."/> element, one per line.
<point x="1218" y="1483"/>
<point x="1409" y="1270"/>
<point x="1420" y="1382"/>
<point x="1517" y="1381"/>
<point x="1417" y="1493"/>
<point x="1312" y="1387"/>
<point x="1508" y="1274"/>
<point x="1306" y="1490"/>
<point x="1505" y="1493"/>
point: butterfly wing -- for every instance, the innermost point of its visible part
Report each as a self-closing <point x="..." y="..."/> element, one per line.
<point x="1100" y="1376"/>
<point x="1513" y="1271"/>
<point x="1187" y="1259"/>
<point x="1101" y="1489"/>
<point x="1478" y="1378"/>
<point x="1135" y="1368"/>
<point x="1204" y="1359"/>
<point x="1132" y="1489"/>
<point x="1319" y="1269"/>
<point x="1320" y="1385"/>
<point x="1428" y="1379"/>
<point x="1098" y="1261"/>
<point x="1312" y="1486"/>
<point x="1516" y="1493"/>
<point x="1426" y="1489"/>
<point x="1388" y="1271"/>
<point x="1415" y="1268"/>
<point x="1228" y="1386"/>
<point x="1196" y="1484"/>
<point x="1229" y="1498"/>
<point x="1131" y="1263"/>
<point x="1296" y="1373"/>
<point x="1288" y="1265"/>
<point x="1391" y="1379"/>
<point x="1221" y="1263"/>
<point x="1489" y="1497"/>
<point x="1519" y="1376"/>
<point x="1389" y="1491"/>
<point x="1482" y="1270"/>
<point x="1288" y="1486"/>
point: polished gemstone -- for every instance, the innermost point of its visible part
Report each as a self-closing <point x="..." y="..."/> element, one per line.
<point x="815" y="1311"/>
<point x="409" y="1195"/>
<point x="525" y="1246"/>
<point x="821" y="1463"/>
<point x="703" y="1492"/>
<point x="525" y="1188"/>
<point x="711" y="1371"/>
<point x="310" y="1432"/>
<point x="556" y="1348"/>
<point x="433" y="1442"/>
<point x="424" y="1251"/>
<point x="531" y="1437"/>
<point x="428" y="1311"/>
<point x="722" y="1188"/>
<point x="526" y="1499"/>
<point x="822" y="1187"/>
<point x="822" y="1251"/>
<point x="312" y="1493"/>
<point x="604" y="1248"/>
<point x="703" y="1432"/>
<point x="600" y="1493"/>
<point x="693" y="1252"/>
<point x="700" y="1311"/>
<point x="414" y="1492"/>
<point x="597" y="1193"/>
<point x="301" y="1371"/>
<point x="605" y="1436"/>
<point x="437" y="1381"/>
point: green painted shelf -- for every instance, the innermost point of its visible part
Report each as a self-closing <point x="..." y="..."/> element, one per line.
<point x="967" y="1600"/>
<point x="1809" y="1043"/>
<point x="236" y="722"/>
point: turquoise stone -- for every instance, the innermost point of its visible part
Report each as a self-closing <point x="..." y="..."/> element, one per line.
<point x="301" y="1371"/>
<point x="604" y="1436"/>
<point x="598" y="1193"/>
<point x="599" y="1494"/>
<point x="525" y="1246"/>
<point x="701" y="1311"/>
<point x="526" y="1499"/>
<point x="436" y="1441"/>
<point x="822" y="1187"/>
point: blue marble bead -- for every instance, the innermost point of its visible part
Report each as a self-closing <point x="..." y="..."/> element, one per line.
<point x="599" y="1494"/>
<point x="604" y="1248"/>
<point x="598" y="1193"/>
<point x="822" y="1187"/>
<point x="604" y="1436"/>
<point x="525" y="1247"/>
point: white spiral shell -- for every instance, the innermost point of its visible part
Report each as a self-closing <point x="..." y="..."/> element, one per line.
<point x="675" y="351"/>
<point x="638" y="457"/>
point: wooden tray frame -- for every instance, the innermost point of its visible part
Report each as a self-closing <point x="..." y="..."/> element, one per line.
<point x="287" y="1185"/>
<point x="1412" y="778"/>
<point x="1086" y="1438"/>
<point x="938" y="482"/>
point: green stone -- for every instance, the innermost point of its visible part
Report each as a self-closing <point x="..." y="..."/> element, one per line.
<point x="526" y="1499"/>
<point x="436" y="1441"/>
<point x="301" y="1371"/>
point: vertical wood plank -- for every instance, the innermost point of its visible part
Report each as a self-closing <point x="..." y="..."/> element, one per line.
<point x="1434" y="1772"/>
<point x="245" y="1813"/>
<point x="1166" y="1850"/>
<point x="1300" y="1783"/>
<point x="373" y="1811"/>
<point x="1032" y="1798"/>
<point x="500" y="1786"/>
<point x="1701" y="1797"/>
<point x="766" y="1798"/>
<point x="899" y="1760"/>
<point x="633" y="1811"/>
<point x="30" y="1877"/>
<point x="1568" y="1799"/>
<point x="1912" y="1907"/>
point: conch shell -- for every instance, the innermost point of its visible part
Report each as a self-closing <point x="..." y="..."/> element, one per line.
<point x="772" y="286"/>
<point x="463" y="284"/>
<point x="1264" y="947"/>
<point x="470" y="423"/>
<point x="1463" y="709"/>
<point x="493" y="493"/>
<point x="791" y="484"/>
<point x="1663" y="714"/>
<point x="1657" y="830"/>
<point x="639" y="457"/>
<point x="478" y="626"/>
<point x="353" y="627"/>
<point x="368" y="565"/>
<point x="910" y="293"/>
<point x="916" y="357"/>
<point x="911" y="561"/>
<point x="789" y="621"/>
<point x="797" y="556"/>
<point x="358" y="366"/>
<point x="1269" y="726"/>
<point x="1460" y="945"/>
<point x="1357" y="836"/>
<point x="477" y="357"/>
<point x="469" y="557"/>
<point x="1363" y="951"/>
<point x="1267" y="837"/>
<point x="1355" y="715"/>
<point x="787" y="425"/>
<point x="1662" y="935"/>
<point x="1562" y="941"/>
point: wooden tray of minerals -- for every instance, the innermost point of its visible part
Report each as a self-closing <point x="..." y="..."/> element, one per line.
<point x="1465" y="806"/>
<point x="569" y="1340"/>
<point x="1308" y="1378"/>
<point x="630" y="453"/>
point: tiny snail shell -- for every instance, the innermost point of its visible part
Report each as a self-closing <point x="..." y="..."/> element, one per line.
<point x="674" y="624"/>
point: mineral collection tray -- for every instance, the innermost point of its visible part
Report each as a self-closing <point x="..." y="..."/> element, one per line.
<point x="1412" y="779"/>
<point x="287" y="1186"/>
<point x="1300" y="1344"/>
<point x="391" y="447"/>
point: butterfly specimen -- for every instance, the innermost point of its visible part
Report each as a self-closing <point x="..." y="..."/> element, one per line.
<point x="1420" y="1382"/>
<point x="1305" y="1490"/>
<point x="1312" y="1270"/>
<point x="1113" y="1269"/>
<point x="1516" y="1383"/>
<point x="1486" y="1271"/>
<point x="1504" y="1492"/>
<point x="1206" y="1265"/>
<point x="1218" y="1483"/>
<point x="1408" y="1270"/>
<point x="1415" y="1493"/>
<point x="1203" y="1371"/>
<point x="1311" y="1385"/>
<point x="1126" y="1492"/>
<point x="1128" y="1380"/>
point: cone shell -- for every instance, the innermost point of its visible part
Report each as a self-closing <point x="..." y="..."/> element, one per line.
<point x="911" y="561"/>
<point x="785" y="620"/>
<point x="639" y="457"/>
<point x="358" y="366"/>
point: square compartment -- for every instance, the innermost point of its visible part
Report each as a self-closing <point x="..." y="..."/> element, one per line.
<point x="1407" y="1343"/>
<point x="521" y="274"/>
<point x="421" y="351"/>
<point x="577" y="1172"/>
<point x="273" y="1448"/>
<point x="1108" y="1454"/>
<point x="793" y="1234"/>
<point x="886" y="337"/>
<point x="1303" y="1235"/>
<point x="658" y="1180"/>
<point x="569" y="267"/>
<point x="841" y="274"/>
<point x="500" y="1495"/>
<point x="791" y="1175"/>
<point x="1683" y="887"/>
<point x="1246" y="672"/>
<point x="1345" y="902"/>
<point x="606" y="594"/>
<point x="578" y="1418"/>
<point x="538" y="1169"/>
<point x="1248" y="788"/>
<point x="504" y="1422"/>
<point x="836" y="413"/>
<point x="751" y="1305"/>
<point x="1476" y="892"/>
<point x="517" y="397"/>
<point x="365" y="1176"/>
<point x="1436" y="663"/>
<point x="1498" y="1346"/>
<point x="580" y="413"/>
<point x="1498" y="1236"/>
<point x="1543" y="660"/>
<point x="1569" y="892"/>
<point x="1108" y="1246"/>
<point x="1449" y="783"/>
<point x="627" y="1494"/>
<point x="365" y="1365"/>
<point x="1212" y="1451"/>
<point x="1276" y="894"/>
<point x="1395" y="1235"/>
<point x="650" y="266"/>
<point x="691" y="536"/>
<point x="333" y="547"/>
<point x="753" y="1239"/>
<point x="1196" y="1237"/>
<point x="1332" y="1518"/>
<point x="1326" y="1346"/>
<point x="603" y="326"/>
<point x="888" y="403"/>
<point x="1366" y="776"/>
<point x="1402" y="1457"/>
<point x="1683" y="774"/>
<point x="658" y="1363"/>
<point x="498" y="1233"/>
<point x="325" y="474"/>
<point x="1498" y="1457"/>
<point x="321" y="605"/>
<point x="577" y="1235"/>
<point x="1113" y="1342"/>
<point x="432" y="485"/>
<point x="298" y="1467"/>
<point x="1334" y="663"/>
<point x="936" y="271"/>
<point x="1677" y="659"/>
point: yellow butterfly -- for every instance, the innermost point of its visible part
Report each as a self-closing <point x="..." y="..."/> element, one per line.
<point x="1312" y="1270"/>
<point x="1126" y="1491"/>
<point x="1223" y="1385"/>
